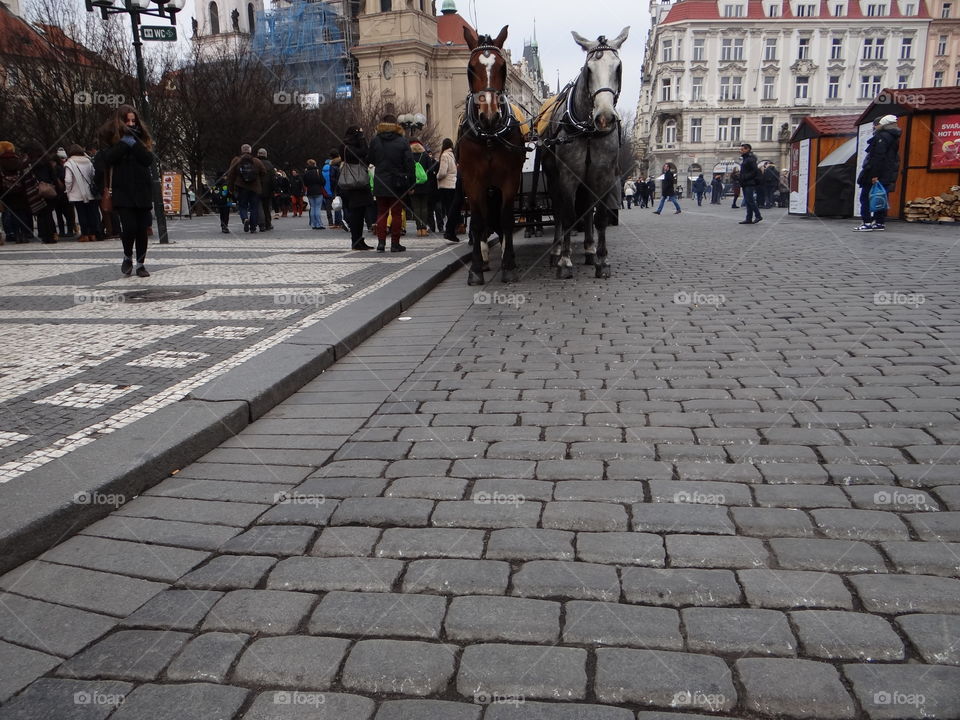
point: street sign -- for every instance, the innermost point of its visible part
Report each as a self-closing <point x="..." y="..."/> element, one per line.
<point x="158" y="32"/>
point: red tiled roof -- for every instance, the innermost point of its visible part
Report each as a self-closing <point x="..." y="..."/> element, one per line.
<point x="832" y="124"/>
<point x="450" y="29"/>
<point x="912" y="100"/>
<point x="19" y="38"/>
<point x="693" y="10"/>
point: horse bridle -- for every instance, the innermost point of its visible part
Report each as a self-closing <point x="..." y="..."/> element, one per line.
<point x="507" y="123"/>
<point x="583" y="126"/>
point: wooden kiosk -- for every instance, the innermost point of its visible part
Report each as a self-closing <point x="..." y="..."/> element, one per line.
<point x="823" y="153"/>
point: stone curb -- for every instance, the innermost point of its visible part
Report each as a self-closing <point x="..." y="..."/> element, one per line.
<point x="46" y="506"/>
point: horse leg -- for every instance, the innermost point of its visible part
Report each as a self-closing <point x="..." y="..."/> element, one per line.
<point x="477" y="263"/>
<point x="602" y="269"/>
<point x="589" y="249"/>
<point x="564" y="263"/>
<point x="509" y="262"/>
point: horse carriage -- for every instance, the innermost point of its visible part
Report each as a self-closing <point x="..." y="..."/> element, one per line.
<point x="576" y="139"/>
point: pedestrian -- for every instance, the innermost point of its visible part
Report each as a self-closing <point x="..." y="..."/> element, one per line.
<point x="735" y="186"/>
<point x="447" y="187"/>
<point x="434" y="218"/>
<point x="296" y="193"/>
<point x="716" y="188"/>
<point x="281" y="194"/>
<point x="629" y="191"/>
<point x="128" y="157"/>
<point x="651" y="189"/>
<point x="66" y="218"/>
<point x="79" y="186"/>
<point x="354" y="185"/>
<point x="266" y="190"/>
<point x="699" y="188"/>
<point x="750" y="179"/>
<point x="420" y="194"/>
<point x="331" y="172"/>
<point x="668" y="190"/>
<point x="643" y="195"/>
<point x="392" y="178"/>
<point x="20" y="194"/>
<point x="191" y="201"/>
<point x="245" y="178"/>
<point x="44" y="169"/>
<point x="222" y="201"/>
<point x="315" y="188"/>
<point x="881" y="165"/>
<point x="771" y="181"/>
<point x="783" y="199"/>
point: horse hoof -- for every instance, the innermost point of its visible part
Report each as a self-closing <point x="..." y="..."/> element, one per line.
<point x="603" y="271"/>
<point x="588" y="259"/>
<point x="564" y="273"/>
<point x="510" y="276"/>
<point x="475" y="278"/>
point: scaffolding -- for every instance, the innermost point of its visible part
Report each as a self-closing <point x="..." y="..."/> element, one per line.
<point x="310" y="42"/>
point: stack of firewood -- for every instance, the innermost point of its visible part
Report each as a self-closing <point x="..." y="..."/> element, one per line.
<point x="944" y="207"/>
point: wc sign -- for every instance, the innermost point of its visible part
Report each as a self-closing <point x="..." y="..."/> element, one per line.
<point x="158" y="32"/>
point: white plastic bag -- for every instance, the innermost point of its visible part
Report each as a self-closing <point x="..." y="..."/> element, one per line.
<point x="337" y="204"/>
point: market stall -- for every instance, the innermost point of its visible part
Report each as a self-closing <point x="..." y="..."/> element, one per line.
<point x="823" y="165"/>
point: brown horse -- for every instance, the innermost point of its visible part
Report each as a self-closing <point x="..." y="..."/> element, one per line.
<point x="491" y="151"/>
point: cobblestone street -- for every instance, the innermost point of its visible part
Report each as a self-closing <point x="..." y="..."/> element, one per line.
<point x="723" y="483"/>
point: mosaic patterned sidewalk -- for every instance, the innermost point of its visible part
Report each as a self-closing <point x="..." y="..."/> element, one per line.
<point x="84" y="350"/>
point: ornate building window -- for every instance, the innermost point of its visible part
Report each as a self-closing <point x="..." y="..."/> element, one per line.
<point x="214" y="19"/>
<point x="696" y="130"/>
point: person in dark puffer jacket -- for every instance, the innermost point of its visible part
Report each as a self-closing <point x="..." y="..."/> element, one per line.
<point x="393" y="178"/>
<point x="882" y="164"/>
<point x="750" y="178"/>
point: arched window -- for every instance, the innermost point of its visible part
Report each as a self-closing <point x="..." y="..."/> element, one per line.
<point x="385" y="6"/>
<point x="250" y="19"/>
<point x="427" y="113"/>
<point x="214" y="19"/>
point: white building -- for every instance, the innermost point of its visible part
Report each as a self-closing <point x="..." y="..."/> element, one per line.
<point x="721" y="72"/>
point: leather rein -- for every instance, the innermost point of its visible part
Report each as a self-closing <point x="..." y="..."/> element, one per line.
<point x="507" y="121"/>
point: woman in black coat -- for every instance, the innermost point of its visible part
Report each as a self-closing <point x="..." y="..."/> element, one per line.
<point x="128" y="156"/>
<point x="356" y="200"/>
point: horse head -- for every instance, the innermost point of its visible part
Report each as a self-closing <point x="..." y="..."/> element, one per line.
<point x="603" y="74"/>
<point x="487" y="74"/>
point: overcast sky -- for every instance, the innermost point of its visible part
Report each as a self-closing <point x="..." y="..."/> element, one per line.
<point x="554" y="21"/>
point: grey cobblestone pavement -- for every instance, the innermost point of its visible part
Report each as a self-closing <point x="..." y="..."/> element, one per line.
<point x="86" y="350"/>
<point x="721" y="484"/>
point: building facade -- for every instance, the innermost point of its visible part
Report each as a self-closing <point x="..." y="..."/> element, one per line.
<point x="224" y="25"/>
<point x="720" y="72"/>
<point x="407" y="55"/>
<point x="942" y="67"/>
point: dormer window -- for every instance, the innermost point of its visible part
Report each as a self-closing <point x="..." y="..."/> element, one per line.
<point x="773" y="10"/>
<point x="731" y="10"/>
<point x="945" y="10"/>
<point x="839" y="10"/>
<point x="909" y="9"/>
<point x="876" y="10"/>
<point x="806" y="10"/>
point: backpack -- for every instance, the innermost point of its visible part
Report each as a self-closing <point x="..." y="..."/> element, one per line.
<point x="420" y="173"/>
<point x="247" y="170"/>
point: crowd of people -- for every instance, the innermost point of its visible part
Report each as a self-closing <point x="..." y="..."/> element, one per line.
<point x="769" y="187"/>
<point x="376" y="184"/>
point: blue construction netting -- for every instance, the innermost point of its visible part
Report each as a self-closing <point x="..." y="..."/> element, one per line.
<point x="308" y="43"/>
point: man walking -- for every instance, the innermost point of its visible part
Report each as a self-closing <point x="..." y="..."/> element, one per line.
<point x="749" y="180"/>
<point x="668" y="190"/>
<point x="245" y="181"/>
<point x="882" y="164"/>
<point x="266" y="191"/>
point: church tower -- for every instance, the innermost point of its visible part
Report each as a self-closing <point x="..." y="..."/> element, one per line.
<point x="224" y="24"/>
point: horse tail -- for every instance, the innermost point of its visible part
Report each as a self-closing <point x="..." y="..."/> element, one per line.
<point x="494" y="201"/>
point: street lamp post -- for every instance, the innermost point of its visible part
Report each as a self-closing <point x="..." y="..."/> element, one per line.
<point x="166" y="9"/>
<point x="412" y="121"/>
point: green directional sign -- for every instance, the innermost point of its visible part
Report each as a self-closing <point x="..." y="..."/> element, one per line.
<point x="158" y="32"/>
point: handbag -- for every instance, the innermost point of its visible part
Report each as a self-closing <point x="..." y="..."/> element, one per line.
<point x="106" y="200"/>
<point x="353" y="176"/>
<point x="48" y="191"/>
